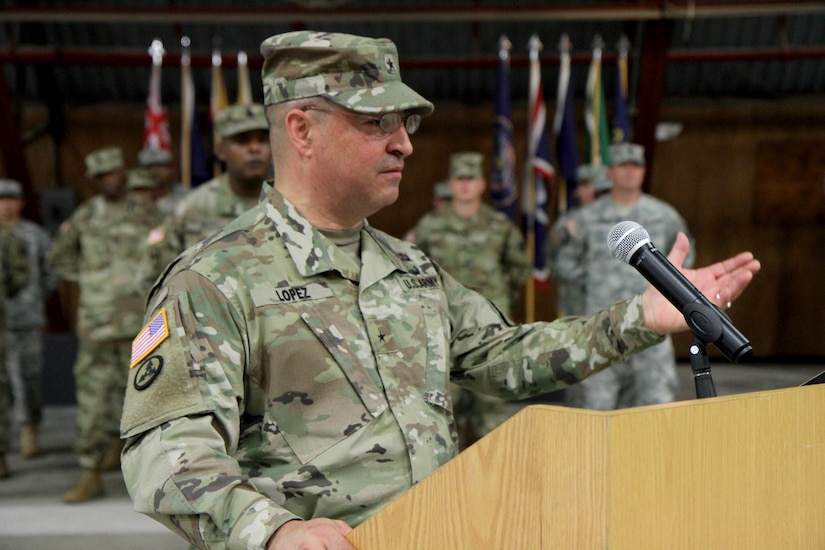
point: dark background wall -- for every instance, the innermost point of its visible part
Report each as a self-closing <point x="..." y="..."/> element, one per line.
<point x="745" y="175"/>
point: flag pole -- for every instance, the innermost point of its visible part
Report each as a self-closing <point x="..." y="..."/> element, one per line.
<point x="244" y="84"/>
<point x="218" y="99"/>
<point x="502" y="174"/>
<point x="186" y="113"/>
<point x="596" y="117"/>
<point x="621" y="128"/>
<point x="534" y="46"/>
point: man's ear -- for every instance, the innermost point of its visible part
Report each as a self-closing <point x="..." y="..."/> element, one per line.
<point x="299" y="129"/>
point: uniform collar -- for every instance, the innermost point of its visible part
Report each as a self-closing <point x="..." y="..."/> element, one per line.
<point x="314" y="254"/>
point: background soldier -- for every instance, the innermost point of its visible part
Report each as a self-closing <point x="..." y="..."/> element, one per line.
<point x="648" y="377"/>
<point x="26" y="317"/>
<point x="244" y="149"/>
<point x="99" y="247"/>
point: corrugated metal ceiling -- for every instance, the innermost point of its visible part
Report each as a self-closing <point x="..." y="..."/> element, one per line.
<point x="93" y="51"/>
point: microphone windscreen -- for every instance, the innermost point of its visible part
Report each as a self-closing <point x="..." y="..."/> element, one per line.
<point x="625" y="238"/>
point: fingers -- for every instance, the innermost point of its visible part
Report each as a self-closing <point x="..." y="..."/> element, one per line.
<point x="678" y="253"/>
<point x="313" y="534"/>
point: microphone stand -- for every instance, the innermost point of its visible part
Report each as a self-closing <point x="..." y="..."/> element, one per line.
<point x="706" y="327"/>
<point x="701" y="370"/>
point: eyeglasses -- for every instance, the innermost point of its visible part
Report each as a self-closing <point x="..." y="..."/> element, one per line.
<point x="378" y="126"/>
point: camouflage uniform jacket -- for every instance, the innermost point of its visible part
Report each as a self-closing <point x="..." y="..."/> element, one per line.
<point x="100" y="247"/>
<point x="15" y="271"/>
<point x="25" y="310"/>
<point x="585" y="258"/>
<point x="294" y="383"/>
<point x="484" y="252"/>
<point x="199" y="214"/>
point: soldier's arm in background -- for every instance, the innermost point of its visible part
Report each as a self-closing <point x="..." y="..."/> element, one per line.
<point x="515" y="262"/>
<point x="569" y="263"/>
<point x="17" y="268"/>
<point x="65" y="253"/>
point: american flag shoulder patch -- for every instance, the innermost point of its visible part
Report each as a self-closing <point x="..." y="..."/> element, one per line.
<point x="150" y="337"/>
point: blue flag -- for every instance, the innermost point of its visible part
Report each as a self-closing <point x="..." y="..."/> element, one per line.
<point x="503" y="177"/>
<point x="564" y="127"/>
<point x="200" y="161"/>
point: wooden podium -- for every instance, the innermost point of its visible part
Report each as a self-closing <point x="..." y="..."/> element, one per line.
<point x="741" y="471"/>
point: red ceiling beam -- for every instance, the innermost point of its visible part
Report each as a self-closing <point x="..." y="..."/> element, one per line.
<point x="113" y="58"/>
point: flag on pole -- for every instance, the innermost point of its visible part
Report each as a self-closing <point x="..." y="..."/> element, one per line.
<point x="595" y="115"/>
<point x="218" y="100"/>
<point x="194" y="164"/>
<point x="503" y="176"/>
<point x="244" y="83"/>
<point x="564" y="127"/>
<point x="621" y="124"/>
<point x="539" y="171"/>
<point x="156" y="135"/>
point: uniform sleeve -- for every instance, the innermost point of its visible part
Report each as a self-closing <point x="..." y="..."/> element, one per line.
<point x="49" y="279"/>
<point x="516" y="262"/>
<point x="64" y="254"/>
<point x="181" y="421"/>
<point x="18" y="269"/>
<point x="570" y="260"/>
<point x="519" y="361"/>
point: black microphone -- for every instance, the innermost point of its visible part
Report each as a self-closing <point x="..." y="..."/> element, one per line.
<point x="630" y="243"/>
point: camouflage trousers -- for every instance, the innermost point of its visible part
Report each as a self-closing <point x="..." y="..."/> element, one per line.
<point x="476" y="414"/>
<point x="647" y="378"/>
<point x="100" y="375"/>
<point x="24" y="361"/>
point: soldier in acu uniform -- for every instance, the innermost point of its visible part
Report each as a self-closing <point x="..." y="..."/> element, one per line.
<point x="26" y="317"/>
<point x="583" y="258"/>
<point x="99" y="247"/>
<point x="292" y="377"/>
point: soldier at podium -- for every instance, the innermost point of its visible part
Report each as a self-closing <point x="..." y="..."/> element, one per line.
<point x="293" y="374"/>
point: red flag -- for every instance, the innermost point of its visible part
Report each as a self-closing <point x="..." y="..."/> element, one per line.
<point x="156" y="124"/>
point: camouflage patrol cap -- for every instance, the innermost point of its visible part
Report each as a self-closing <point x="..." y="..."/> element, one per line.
<point x="358" y="73"/>
<point x="104" y="161"/>
<point x="584" y="172"/>
<point x="10" y="189"/>
<point x="466" y="165"/>
<point x="601" y="181"/>
<point x="237" y="119"/>
<point x="152" y="157"/>
<point x="622" y="153"/>
<point x="140" y="178"/>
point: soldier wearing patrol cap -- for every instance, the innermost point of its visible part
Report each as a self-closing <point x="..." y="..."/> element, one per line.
<point x="292" y="375"/>
<point x="244" y="148"/>
<point x="25" y="318"/>
<point x="649" y="377"/>
<point x="98" y="247"/>
<point x="483" y="250"/>
<point x="140" y="181"/>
